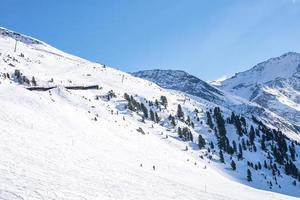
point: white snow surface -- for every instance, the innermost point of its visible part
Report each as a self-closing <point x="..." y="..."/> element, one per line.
<point x="51" y="148"/>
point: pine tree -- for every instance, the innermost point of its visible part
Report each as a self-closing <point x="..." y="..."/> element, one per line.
<point x="157" y="119"/>
<point x="130" y="106"/>
<point x="133" y="105"/>
<point x="127" y="97"/>
<point x="179" y="132"/>
<point x="188" y="120"/>
<point x="221" y="156"/>
<point x="234" y="146"/>
<point x="145" y="110"/>
<point x="262" y="143"/>
<point x="259" y="165"/>
<point x="201" y="142"/>
<point x="232" y="118"/>
<point x="209" y="120"/>
<point x="257" y="132"/>
<point x="180" y="113"/>
<point x="191" y="137"/>
<point x="233" y="165"/>
<point x="254" y="148"/>
<point x="212" y="145"/>
<point x="240" y="155"/>
<point x="150" y="103"/>
<point x="17" y="74"/>
<point x="238" y="126"/>
<point x="152" y="117"/>
<point x="243" y="121"/>
<point x="292" y="151"/>
<point x="172" y="120"/>
<point x="222" y="139"/>
<point x="33" y="81"/>
<point x="249" y="175"/>
<point x="251" y="135"/>
<point x="187" y="134"/>
<point x="265" y="164"/>
<point x="291" y="169"/>
<point x="156" y="103"/>
<point x="164" y="101"/>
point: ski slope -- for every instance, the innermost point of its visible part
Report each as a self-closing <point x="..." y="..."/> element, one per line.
<point x="65" y="144"/>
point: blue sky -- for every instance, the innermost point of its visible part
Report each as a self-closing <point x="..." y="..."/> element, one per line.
<point x="208" y="38"/>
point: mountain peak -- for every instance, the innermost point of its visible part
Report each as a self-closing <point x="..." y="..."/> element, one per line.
<point x="290" y="53"/>
<point x="273" y="84"/>
<point x="284" y="66"/>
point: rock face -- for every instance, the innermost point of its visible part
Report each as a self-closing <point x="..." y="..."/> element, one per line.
<point x="182" y="81"/>
<point x="273" y="84"/>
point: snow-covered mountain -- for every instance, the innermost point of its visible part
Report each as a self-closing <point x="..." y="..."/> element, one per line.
<point x="74" y="129"/>
<point x="273" y="84"/>
<point x="189" y="84"/>
<point x="182" y="81"/>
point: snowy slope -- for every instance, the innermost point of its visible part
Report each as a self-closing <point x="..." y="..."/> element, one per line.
<point x="273" y="84"/>
<point x="68" y="144"/>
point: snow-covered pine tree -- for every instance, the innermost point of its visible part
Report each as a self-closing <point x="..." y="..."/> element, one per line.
<point x="180" y="113"/>
<point x="201" y="142"/>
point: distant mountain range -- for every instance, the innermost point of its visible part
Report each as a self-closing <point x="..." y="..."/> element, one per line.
<point x="269" y="90"/>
